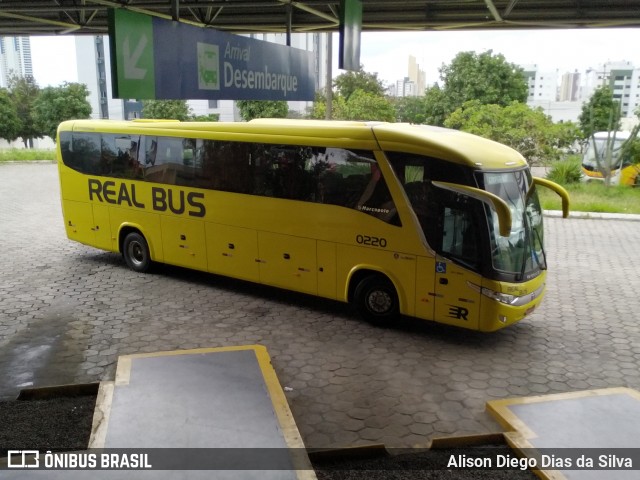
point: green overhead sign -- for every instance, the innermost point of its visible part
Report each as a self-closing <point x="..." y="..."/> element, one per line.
<point x="132" y="45"/>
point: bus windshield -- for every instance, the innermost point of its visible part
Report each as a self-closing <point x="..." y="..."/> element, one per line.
<point x="521" y="253"/>
<point x="467" y="230"/>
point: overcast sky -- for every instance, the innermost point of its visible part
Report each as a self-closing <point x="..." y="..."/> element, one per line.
<point x="387" y="53"/>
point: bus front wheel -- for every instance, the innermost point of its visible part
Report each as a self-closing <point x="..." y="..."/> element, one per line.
<point x="376" y="299"/>
<point x="135" y="251"/>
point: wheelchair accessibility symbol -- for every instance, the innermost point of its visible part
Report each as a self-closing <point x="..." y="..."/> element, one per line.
<point x="441" y="267"/>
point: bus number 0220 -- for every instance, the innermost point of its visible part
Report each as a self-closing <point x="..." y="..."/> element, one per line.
<point x="372" y="241"/>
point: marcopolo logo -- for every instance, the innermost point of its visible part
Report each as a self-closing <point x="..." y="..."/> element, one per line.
<point x="23" y="459"/>
<point x="208" y="66"/>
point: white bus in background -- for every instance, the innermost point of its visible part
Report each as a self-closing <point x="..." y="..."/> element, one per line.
<point x="625" y="170"/>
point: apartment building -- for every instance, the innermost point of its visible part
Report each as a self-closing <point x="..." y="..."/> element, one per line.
<point x="15" y="58"/>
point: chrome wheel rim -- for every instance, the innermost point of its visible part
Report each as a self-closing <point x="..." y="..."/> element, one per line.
<point x="136" y="253"/>
<point x="379" y="302"/>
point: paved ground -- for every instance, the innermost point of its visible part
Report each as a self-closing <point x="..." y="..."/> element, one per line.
<point x="67" y="311"/>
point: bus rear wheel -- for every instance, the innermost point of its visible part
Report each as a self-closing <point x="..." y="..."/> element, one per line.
<point x="376" y="299"/>
<point x="135" y="251"/>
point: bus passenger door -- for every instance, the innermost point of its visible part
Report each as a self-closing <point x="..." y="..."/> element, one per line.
<point x="288" y="262"/>
<point x="457" y="303"/>
<point x="183" y="242"/>
<point x="425" y="293"/>
<point x="78" y="221"/>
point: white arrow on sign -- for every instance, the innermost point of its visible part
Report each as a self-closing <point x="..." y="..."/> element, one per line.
<point x="131" y="69"/>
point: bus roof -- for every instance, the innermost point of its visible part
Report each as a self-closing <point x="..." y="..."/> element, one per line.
<point x="605" y="135"/>
<point x="452" y="145"/>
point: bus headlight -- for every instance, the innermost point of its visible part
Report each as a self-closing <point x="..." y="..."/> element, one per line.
<point x="492" y="294"/>
<point x="506" y="298"/>
<point x="500" y="297"/>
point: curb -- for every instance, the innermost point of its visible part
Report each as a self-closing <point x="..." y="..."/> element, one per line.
<point x="57" y="391"/>
<point x="26" y="162"/>
<point x="360" y="452"/>
<point x="594" y="215"/>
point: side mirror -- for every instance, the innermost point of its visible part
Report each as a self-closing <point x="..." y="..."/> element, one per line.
<point x="500" y="206"/>
<point x="564" y="195"/>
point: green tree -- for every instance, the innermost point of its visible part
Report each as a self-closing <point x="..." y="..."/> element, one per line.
<point x="319" y="108"/>
<point x="517" y="125"/>
<point x="23" y="92"/>
<point x="484" y="77"/>
<point x="250" y="109"/>
<point x="435" y="106"/>
<point x="358" y="96"/>
<point x="211" y="117"/>
<point x="57" y="104"/>
<point x="363" y="105"/>
<point x="600" y="114"/>
<point x="347" y="83"/>
<point x="166" y="109"/>
<point x="410" y="109"/>
<point x="10" y="124"/>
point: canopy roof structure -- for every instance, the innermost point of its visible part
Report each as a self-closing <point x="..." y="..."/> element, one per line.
<point x="51" y="17"/>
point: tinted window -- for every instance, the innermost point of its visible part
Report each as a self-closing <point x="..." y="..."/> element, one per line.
<point x="323" y="175"/>
<point x="336" y="176"/>
<point x="173" y="160"/>
<point x="119" y="156"/>
<point x="447" y="219"/>
<point x="81" y="152"/>
<point x="460" y="236"/>
<point x="227" y="166"/>
<point x="411" y="168"/>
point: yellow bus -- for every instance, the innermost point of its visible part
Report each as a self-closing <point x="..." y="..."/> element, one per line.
<point x="395" y="218"/>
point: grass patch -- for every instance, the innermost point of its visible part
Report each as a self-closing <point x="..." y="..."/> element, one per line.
<point x="594" y="197"/>
<point x="26" y="155"/>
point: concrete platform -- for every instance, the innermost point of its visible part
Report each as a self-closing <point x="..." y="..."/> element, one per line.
<point x="591" y="423"/>
<point x="206" y="413"/>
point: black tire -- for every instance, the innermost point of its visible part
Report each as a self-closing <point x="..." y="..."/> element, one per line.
<point x="376" y="300"/>
<point x="135" y="252"/>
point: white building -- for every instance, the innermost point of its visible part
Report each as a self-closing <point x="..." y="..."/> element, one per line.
<point x="624" y="80"/>
<point x="543" y="86"/>
<point x="404" y="88"/>
<point x="569" y="87"/>
<point x="412" y="85"/>
<point x="576" y="88"/>
<point x="15" y="58"/>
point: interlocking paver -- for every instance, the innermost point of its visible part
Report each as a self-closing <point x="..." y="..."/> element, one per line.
<point x="67" y="312"/>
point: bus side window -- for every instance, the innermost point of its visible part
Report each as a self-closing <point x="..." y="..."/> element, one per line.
<point x="119" y="156"/>
<point x="150" y="151"/>
<point x="353" y="179"/>
<point x="66" y="150"/>
<point x="85" y="155"/>
<point x="459" y="235"/>
<point x="225" y="166"/>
